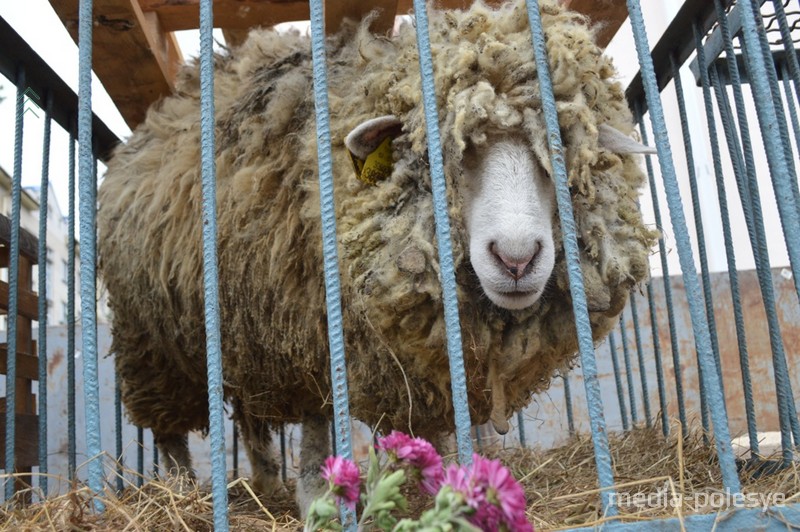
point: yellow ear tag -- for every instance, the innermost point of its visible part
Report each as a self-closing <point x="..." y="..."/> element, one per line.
<point x="377" y="166"/>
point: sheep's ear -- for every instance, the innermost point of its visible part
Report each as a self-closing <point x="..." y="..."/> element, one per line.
<point x="616" y="141"/>
<point x="367" y="136"/>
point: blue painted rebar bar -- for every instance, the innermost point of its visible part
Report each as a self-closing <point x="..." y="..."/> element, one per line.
<point x="118" y="435"/>
<point x="341" y="409"/>
<point x="478" y="438"/>
<point x="748" y="206"/>
<point x="44" y="187"/>
<point x="594" y="400"/>
<point x="623" y="414"/>
<point x="283" y="453"/>
<point x="753" y="208"/>
<point x="626" y="356"/>
<point x="637" y="334"/>
<point x="725" y="218"/>
<point x="216" y="418"/>
<point x="788" y="46"/>
<point x="139" y="456"/>
<point x="458" y="380"/>
<point x="764" y="84"/>
<point x="155" y="458"/>
<point x="71" y="430"/>
<point x="741" y="154"/>
<point x="86" y="165"/>
<point x="235" y="451"/>
<point x="521" y="429"/>
<point x="733" y="274"/>
<point x="687" y="143"/>
<point x="783" y="125"/>
<point x="699" y="230"/>
<point x="791" y="105"/>
<point x="13" y="296"/>
<point x="668" y="294"/>
<point x="699" y="324"/>
<point x="662" y="391"/>
<point x="568" y="404"/>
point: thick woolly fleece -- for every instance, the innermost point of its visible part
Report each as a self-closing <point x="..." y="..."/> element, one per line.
<point x="272" y="296"/>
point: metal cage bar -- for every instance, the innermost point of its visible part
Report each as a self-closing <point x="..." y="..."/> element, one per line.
<point x="86" y="173"/>
<point x="626" y="356"/>
<point x="13" y="283"/>
<point x="42" y="300"/>
<point x="612" y="348"/>
<point x="458" y="380"/>
<point x="210" y="273"/>
<point x="700" y="326"/>
<point x="71" y="451"/>
<point x="637" y="336"/>
<point x="597" y="422"/>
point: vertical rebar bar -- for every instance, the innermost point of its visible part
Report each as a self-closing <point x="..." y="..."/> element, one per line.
<point x="594" y="400"/>
<point x="44" y="188"/>
<point x="210" y="273"/>
<point x="458" y="380"/>
<point x="637" y="335"/>
<point x="626" y="356"/>
<point x="87" y="254"/>
<point x="711" y="379"/>
<point x="612" y="347"/>
<point x="71" y="429"/>
<point x="13" y="293"/>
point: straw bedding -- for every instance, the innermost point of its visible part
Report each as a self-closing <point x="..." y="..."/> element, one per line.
<point x="560" y="484"/>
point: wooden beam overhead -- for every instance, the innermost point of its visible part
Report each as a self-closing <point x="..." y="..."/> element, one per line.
<point x="133" y="55"/>
<point x="177" y="15"/>
<point x="609" y="15"/>
<point x="136" y="56"/>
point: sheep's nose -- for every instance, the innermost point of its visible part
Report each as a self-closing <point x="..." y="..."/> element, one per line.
<point x="516" y="266"/>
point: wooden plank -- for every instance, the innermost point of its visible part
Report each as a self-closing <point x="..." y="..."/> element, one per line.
<point x="27" y="365"/>
<point x="133" y="55"/>
<point x="177" y="15"/>
<point x="27" y="302"/>
<point x="607" y="14"/>
<point x="26" y="447"/>
<point x="28" y="244"/>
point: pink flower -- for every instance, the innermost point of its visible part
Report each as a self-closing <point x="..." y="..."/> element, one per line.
<point x="490" y="489"/>
<point x="343" y="476"/>
<point x="417" y="453"/>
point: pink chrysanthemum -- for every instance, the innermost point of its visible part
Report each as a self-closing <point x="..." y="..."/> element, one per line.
<point x="417" y="453"/>
<point x="343" y="476"/>
<point x="490" y="489"/>
<point x="500" y="492"/>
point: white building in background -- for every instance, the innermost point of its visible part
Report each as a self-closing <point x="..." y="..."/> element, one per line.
<point x="57" y="249"/>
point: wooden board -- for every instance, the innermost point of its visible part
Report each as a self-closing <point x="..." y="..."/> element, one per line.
<point x="134" y="57"/>
<point x="26" y="447"/>
<point x="27" y="302"/>
<point x="607" y="14"/>
<point x="27" y="365"/>
<point x="28" y="244"/>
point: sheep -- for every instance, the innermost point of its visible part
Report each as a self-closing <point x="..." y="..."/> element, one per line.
<point x="515" y="307"/>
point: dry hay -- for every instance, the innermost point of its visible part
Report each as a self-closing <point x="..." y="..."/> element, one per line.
<point x="560" y="484"/>
<point x="160" y="504"/>
<point x="680" y="476"/>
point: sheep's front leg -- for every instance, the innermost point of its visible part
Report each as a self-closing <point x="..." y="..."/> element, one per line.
<point x="257" y="438"/>
<point x="314" y="448"/>
<point x="175" y="457"/>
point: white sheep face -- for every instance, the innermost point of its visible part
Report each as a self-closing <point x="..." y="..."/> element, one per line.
<point x="509" y="208"/>
<point x="509" y="204"/>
